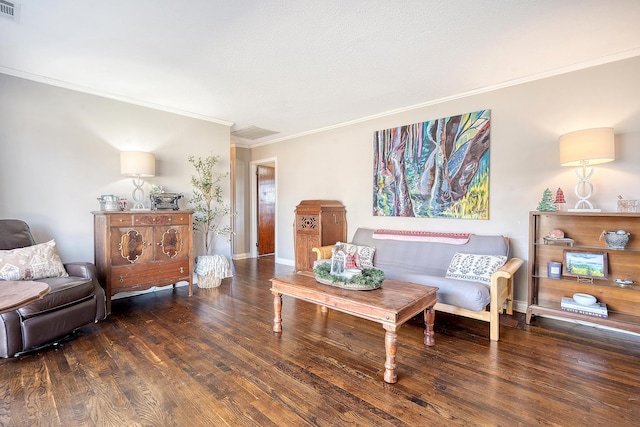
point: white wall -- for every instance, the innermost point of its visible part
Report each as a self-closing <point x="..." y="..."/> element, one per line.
<point x="59" y="150"/>
<point x="527" y="120"/>
<point x="241" y="186"/>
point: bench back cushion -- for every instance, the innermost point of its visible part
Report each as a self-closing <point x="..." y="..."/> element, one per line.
<point x="399" y="257"/>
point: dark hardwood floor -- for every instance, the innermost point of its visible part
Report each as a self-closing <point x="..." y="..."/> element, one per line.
<point x="166" y="359"/>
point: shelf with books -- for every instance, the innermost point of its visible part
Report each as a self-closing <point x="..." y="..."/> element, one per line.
<point x="623" y="321"/>
<point x="599" y="309"/>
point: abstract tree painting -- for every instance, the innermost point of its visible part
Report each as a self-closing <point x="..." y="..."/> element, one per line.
<point x="434" y="169"/>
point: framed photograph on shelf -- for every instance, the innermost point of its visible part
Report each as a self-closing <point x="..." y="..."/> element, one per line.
<point x="585" y="264"/>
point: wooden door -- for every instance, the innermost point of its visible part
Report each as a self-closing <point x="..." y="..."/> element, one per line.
<point x="266" y="176"/>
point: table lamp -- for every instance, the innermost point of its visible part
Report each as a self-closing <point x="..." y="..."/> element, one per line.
<point x="582" y="148"/>
<point x="137" y="164"/>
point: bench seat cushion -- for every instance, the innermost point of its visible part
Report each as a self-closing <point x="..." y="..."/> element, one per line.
<point x="473" y="296"/>
<point x="429" y="258"/>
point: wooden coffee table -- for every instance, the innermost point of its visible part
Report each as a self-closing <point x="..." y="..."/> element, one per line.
<point x="391" y="305"/>
<point x="16" y="294"/>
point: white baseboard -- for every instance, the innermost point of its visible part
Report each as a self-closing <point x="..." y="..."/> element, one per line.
<point x="520" y="306"/>
<point x="285" y="261"/>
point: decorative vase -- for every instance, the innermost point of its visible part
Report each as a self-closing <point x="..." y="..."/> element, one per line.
<point x="211" y="269"/>
<point x="616" y="239"/>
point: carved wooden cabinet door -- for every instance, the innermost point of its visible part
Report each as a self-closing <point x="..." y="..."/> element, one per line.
<point x="170" y="242"/>
<point x="130" y="245"/>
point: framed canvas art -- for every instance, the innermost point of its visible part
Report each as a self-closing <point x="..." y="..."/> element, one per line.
<point x="434" y="169"/>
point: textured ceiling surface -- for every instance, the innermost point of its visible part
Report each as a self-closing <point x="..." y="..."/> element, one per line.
<point x="297" y="66"/>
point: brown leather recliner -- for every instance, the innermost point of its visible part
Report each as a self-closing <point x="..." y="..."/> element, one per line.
<point x="73" y="301"/>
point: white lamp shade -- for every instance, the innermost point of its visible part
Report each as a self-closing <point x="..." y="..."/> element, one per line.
<point x="589" y="146"/>
<point x="137" y="163"/>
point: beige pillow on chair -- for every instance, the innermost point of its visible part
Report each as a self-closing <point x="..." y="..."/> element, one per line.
<point x="32" y="263"/>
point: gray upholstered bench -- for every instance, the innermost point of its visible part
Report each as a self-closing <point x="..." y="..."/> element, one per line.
<point x="461" y="290"/>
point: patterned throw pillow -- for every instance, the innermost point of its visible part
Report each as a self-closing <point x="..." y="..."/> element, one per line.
<point x="31" y="263"/>
<point x="358" y="256"/>
<point x="477" y="268"/>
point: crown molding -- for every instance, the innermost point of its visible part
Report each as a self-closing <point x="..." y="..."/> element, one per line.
<point x="556" y="72"/>
<point x="83" y="89"/>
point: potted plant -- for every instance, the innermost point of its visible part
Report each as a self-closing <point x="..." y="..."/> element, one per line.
<point x="209" y="210"/>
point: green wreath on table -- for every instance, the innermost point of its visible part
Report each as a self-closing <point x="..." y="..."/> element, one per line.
<point x="370" y="278"/>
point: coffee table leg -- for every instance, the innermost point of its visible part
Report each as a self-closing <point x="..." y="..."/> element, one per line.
<point x="390" y="346"/>
<point x="277" y="310"/>
<point x="429" y="319"/>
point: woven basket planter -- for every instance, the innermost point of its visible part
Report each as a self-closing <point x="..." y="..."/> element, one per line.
<point x="211" y="269"/>
<point x="209" y="281"/>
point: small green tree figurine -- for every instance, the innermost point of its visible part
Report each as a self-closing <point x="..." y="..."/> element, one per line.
<point x="547" y="203"/>
<point x="207" y="202"/>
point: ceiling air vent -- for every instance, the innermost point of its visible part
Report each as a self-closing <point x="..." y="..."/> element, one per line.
<point x="9" y="10"/>
<point x="251" y="132"/>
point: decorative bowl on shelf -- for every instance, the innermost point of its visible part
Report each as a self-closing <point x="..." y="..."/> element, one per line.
<point x="616" y="239"/>
<point x="584" y="299"/>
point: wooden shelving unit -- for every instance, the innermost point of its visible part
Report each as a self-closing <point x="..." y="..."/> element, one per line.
<point x="585" y="228"/>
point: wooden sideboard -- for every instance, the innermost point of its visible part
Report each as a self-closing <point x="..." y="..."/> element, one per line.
<point x="585" y="230"/>
<point x="318" y="223"/>
<point x="135" y="251"/>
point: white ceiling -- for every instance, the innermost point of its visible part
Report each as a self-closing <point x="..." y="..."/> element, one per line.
<point x="297" y="66"/>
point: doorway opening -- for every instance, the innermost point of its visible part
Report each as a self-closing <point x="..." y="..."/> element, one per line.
<point x="263" y="208"/>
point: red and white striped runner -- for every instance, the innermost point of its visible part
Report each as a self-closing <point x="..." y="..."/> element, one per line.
<point x="422" y="236"/>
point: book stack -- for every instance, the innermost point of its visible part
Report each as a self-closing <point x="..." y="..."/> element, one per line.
<point x="598" y="309"/>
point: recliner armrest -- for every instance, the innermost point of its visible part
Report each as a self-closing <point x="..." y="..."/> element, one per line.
<point x="81" y="269"/>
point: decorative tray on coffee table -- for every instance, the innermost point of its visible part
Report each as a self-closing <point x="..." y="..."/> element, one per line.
<point x="367" y="280"/>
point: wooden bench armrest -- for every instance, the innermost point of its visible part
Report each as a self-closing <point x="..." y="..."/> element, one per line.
<point x="323" y="252"/>
<point x="506" y="272"/>
<point x="508" y="269"/>
<point x="501" y="292"/>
